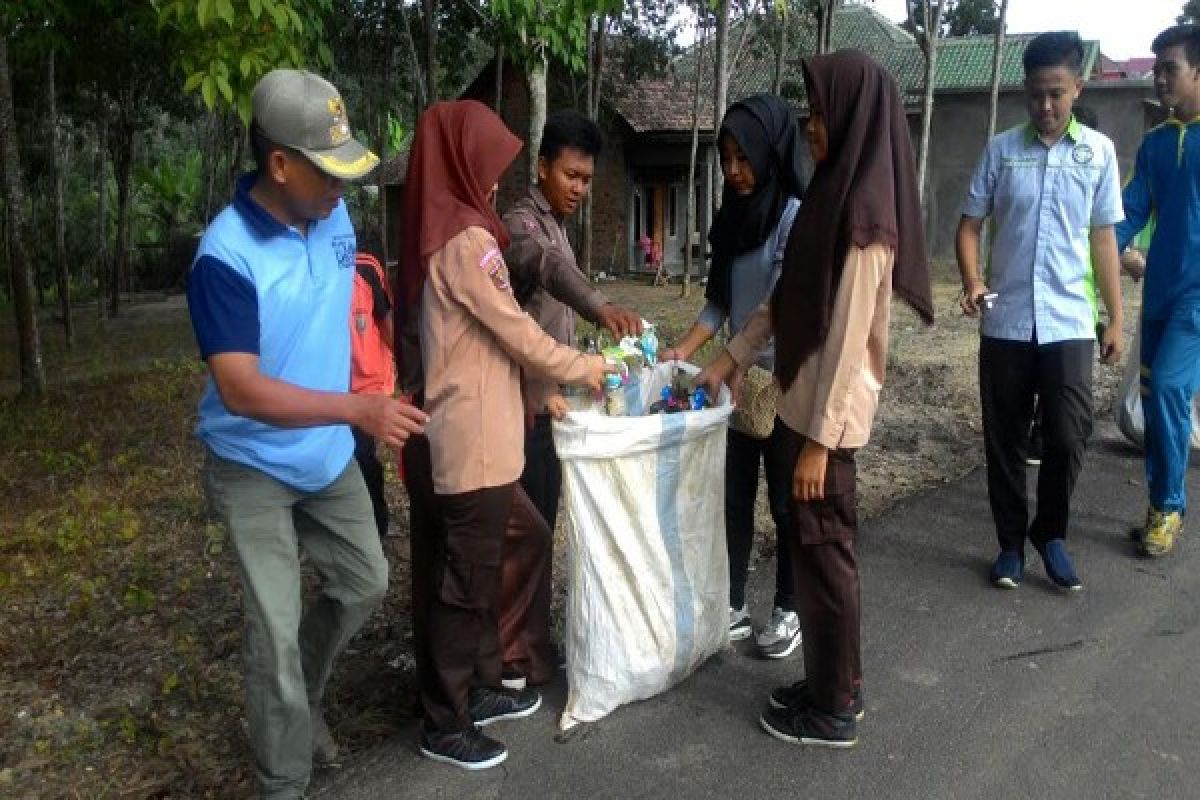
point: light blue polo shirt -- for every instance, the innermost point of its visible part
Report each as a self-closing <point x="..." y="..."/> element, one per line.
<point x="259" y="286"/>
<point x="1044" y="201"/>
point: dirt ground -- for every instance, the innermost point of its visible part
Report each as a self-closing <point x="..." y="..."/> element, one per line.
<point x="119" y="620"/>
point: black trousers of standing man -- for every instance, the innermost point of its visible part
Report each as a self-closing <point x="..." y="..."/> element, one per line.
<point x="1011" y="374"/>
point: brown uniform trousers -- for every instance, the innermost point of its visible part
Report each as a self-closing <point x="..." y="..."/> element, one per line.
<point x="824" y="559"/>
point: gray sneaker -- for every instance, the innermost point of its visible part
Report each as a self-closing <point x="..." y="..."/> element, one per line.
<point x="780" y="637"/>
<point x="324" y="748"/>
<point x="739" y="624"/>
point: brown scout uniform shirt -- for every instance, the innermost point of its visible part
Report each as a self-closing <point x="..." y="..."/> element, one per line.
<point x="475" y="340"/>
<point x="836" y="391"/>
<point x="547" y="280"/>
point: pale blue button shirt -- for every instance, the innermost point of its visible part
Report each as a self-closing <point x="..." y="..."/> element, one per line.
<point x="1044" y="201"/>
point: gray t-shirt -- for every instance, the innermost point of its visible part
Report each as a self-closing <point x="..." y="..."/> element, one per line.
<point x="754" y="276"/>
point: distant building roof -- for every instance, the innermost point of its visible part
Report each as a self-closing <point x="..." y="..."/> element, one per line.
<point x="964" y="64"/>
<point x="1142" y="67"/>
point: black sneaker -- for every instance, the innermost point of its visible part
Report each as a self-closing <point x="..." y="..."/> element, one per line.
<point x="492" y="705"/>
<point x="807" y="725"/>
<point x="784" y="697"/>
<point x="469" y="749"/>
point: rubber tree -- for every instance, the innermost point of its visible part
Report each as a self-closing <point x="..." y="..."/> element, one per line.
<point x="925" y="18"/>
<point x="535" y="31"/>
<point x="29" y="351"/>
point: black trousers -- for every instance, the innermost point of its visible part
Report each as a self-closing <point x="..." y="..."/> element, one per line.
<point x="742" y="456"/>
<point x="542" y="478"/>
<point x="372" y="472"/>
<point x="457" y="541"/>
<point x="1011" y="375"/>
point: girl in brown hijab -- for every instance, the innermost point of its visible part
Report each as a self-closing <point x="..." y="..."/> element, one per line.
<point x="474" y="342"/>
<point x="857" y="238"/>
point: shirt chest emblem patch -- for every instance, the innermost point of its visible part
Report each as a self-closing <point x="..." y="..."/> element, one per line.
<point x="531" y="226"/>
<point x="1082" y="153"/>
<point x="343" y="250"/>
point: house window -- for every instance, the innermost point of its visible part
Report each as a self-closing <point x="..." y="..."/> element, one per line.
<point x="672" y="211"/>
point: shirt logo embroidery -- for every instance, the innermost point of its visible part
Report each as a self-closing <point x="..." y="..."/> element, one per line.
<point x="530" y="226"/>
<point x="493" y="264"/>
<point x="1083" y="154"/>
<point x="360" y="322"/>
<point x="343" y="250"/>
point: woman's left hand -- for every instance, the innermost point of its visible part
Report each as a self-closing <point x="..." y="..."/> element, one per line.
<point x="556" y="406"/>
<point x="808" y="480"/>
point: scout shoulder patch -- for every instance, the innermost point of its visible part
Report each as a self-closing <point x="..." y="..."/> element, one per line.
<point x="493" y="264"/>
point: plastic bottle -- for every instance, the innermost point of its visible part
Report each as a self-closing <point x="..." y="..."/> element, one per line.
<point x="614" y="395"/>
<point x="649" y="344"/>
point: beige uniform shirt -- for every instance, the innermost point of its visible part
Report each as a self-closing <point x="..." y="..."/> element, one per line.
<point x="836" y="391"/>
<point x="475" y="340"/>
<point x="546" y="279"/>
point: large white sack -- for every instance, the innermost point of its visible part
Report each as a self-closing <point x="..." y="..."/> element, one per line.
<point x="648" y="575"/>
<point x="1128" y="407"/>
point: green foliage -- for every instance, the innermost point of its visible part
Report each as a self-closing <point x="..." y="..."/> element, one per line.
<point x="557" y="28"/>
<point x="225" y="47"/>
<point x="960" y="17"/>
<point x="169" y="192"/>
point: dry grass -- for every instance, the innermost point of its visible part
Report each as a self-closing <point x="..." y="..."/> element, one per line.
<point x="120" y="623"/>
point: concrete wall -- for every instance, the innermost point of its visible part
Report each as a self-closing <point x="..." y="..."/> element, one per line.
<point x="960" y="128"/>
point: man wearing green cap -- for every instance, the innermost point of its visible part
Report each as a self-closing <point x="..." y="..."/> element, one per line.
<point x="269" y="295"/>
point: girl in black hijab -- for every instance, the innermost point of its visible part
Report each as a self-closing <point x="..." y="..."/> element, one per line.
<point x="759" y="143"/>
<point x="857" y="238"/>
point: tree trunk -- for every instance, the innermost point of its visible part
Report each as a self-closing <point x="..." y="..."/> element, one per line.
<point x="29" y="351"/>
<point x="997" y="62"/>
<point x="538" y="67"/>
<point x="101" y="262"/>
<point x="689" y="222"/>
<point x="418" y="75"/>
<point x="721" y="84"/>
<point x="993" y="106"/>
<point x="58" y="168"/>
<point x="431" y="59"/>
<point x="928" y="39"/>
<point x="499" y="75"/>
<point x="596" y="43"/>
<point x="781" y="19"/>
<point x="827" y="9"/>
<point x="123" y="162"/>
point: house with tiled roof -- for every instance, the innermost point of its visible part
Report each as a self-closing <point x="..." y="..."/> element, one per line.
<point x="640" y="188"/>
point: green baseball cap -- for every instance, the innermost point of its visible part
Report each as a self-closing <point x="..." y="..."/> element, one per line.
<point x="303" y="111"/>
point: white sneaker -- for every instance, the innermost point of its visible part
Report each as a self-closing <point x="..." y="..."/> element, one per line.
<point x="739" y="624"/>
<point x="780" y="637"/>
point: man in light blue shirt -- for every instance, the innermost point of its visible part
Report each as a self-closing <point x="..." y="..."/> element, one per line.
<point x="269" y="296"/>
<point x="1051" y="189"/>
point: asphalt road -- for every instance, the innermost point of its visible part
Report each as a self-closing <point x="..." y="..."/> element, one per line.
<point x="971" y="692"/>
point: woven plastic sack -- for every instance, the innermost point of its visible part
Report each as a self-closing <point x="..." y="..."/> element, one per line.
<point x="648" y="575"/>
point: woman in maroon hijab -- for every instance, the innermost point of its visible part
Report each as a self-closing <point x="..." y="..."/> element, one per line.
<point x="857" y="238"/>
<point x="474" y="342"/>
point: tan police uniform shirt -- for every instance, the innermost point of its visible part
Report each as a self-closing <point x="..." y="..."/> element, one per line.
<point x="547" y="280"/>
<point x="475" y="340"/>
<point x="836" y="392"/>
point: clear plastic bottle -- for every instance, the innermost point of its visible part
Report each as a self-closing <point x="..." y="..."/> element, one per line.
<point x="614" y="396"/>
